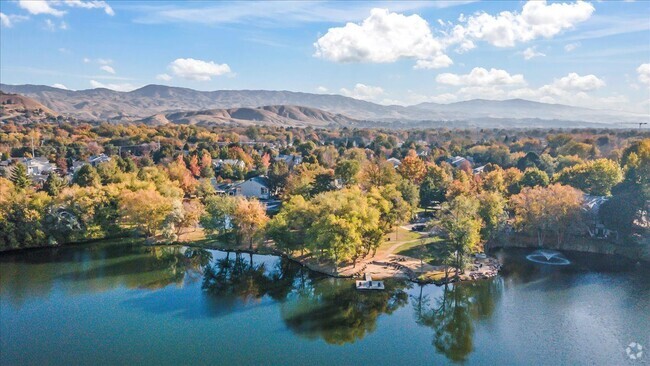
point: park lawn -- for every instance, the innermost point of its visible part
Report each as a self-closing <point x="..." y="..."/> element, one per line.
<point x="433" y="254"/>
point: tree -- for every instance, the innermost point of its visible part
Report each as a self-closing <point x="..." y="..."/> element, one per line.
<point x="412" y="167"/>
<point x="492" y="212"/>
<point x="595" y="177"/>
<point x="217" y="217"/>
<point x="53" y="184"/>
<point x="534" y="177"/>
<point x="288" y="228"/>
<point x="378" y="173"/>
<point x="434" y="186"/>
<point x="19" y="176"/>
<point x="86" y="176"/>
<point x="145" y="209"/>
<point x="540" y="210"/>
<point x="278" y="174"/>
<point x="249" y="217"/>
<point x="184" y="214"/>
<point x="461" y="222"/>
<point x="347" y="171"/>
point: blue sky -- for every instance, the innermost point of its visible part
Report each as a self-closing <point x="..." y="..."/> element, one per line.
<point x="594" y="54"/>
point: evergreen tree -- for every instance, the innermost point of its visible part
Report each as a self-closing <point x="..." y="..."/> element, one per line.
<point x="19" y="176"/>
<point x="53" y="184"/>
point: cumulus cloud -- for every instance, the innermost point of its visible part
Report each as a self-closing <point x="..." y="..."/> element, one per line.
<point x="52" y="7"/>
<point x="537" y="19"/>
<point x="124" y="87"/>
<point x="383" y="37"/>
<point x="163" y="77"/>
<point x="644" y="73"/>
<point x="8" y="20"/>
<point x="481" y="77"/>
<point x="574" y="81"/>
<point x="60" y="86"/>
<point x="108" y="69"/>
<point x="531" y="52"/>
<point x="363" y="92"/>
<point x="571" y="46"/>
<point x="191" y="69"/>
<point x="321" y="89"/>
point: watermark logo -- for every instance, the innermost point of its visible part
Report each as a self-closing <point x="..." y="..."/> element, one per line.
<point x="634" y="351"/>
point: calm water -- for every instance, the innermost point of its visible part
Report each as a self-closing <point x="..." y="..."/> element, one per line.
<point x="127" y="304"/>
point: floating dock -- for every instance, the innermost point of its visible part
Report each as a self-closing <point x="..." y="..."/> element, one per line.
<point x="369" y="284"/>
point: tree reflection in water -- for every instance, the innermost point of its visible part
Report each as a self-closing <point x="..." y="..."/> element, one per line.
<point x="452" y="315"/>
<point x="335" y="311"/>
<point x="311" y="305"/>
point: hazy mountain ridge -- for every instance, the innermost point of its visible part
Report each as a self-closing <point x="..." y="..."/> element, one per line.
<point x="104" y="104"/>
<point x="281" y="115"/>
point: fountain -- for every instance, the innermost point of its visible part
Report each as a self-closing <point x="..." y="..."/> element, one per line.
<point x="545" y="256"/>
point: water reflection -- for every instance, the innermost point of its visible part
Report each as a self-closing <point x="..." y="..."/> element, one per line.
<point x="452" y="315"/>
<point x="336" y="312"/>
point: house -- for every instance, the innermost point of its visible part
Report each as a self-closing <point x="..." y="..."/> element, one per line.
<point x="457" y="161"/>
<point x="257" y="187"/>
<point x="478" y="170"/>
<point x="98" y="159"/>
<point x="38" y="166"/>
<point x="235" y="163"/>
<point x="291" y="160"/>
<point x="394" y="161"/>
<point x="595" y="227"/>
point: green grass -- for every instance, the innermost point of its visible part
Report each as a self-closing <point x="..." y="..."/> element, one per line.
<point x="432" y="253"/>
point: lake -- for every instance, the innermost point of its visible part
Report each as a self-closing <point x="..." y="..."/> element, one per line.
<point x="106" y="304"/>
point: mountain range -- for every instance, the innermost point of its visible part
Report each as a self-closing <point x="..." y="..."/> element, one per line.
<point x="162" y="104"/>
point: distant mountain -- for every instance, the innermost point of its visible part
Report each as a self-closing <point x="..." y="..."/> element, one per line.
<point x="280" y="115"/>
<point x="105" y="104"/>
<point x="14" y="106"/>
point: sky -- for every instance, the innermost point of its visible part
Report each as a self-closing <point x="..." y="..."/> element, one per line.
<point x="589" y="54"/>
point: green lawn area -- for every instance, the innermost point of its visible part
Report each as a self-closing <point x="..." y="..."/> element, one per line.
<point x="431" y="245"/>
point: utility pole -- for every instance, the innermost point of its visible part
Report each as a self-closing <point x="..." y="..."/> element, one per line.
<point x="33" y="151"/>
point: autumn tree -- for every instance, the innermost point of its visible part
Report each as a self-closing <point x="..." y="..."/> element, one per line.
<point x="540" y="210"/>
<point x="249" y="217"/>
<point x="86" y="176"/>
<point x="595" y="177"/>
<point x="145" y="209"/>
<point x="412" y="167"/>
<point x="461" y="223"/>
<point x="217" y="214"/>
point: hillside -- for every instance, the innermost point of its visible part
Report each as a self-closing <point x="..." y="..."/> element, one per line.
<point x="281" y="115"/>
<point x="18" y="106"/>
<point x="106" y="104"/>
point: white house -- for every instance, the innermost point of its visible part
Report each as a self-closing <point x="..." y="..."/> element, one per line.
<point x="394" y="161"/>
<point x="98" y="159"/>
<point x="257" y="187"/>
<point x="38" y="166"/>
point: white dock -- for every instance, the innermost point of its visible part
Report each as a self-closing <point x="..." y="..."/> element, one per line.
<point x="369" y="284"/>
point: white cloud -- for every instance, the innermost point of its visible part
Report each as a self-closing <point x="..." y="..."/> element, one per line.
<point x="163" y="77"/>
<point x="531" y="52"/>
<point x="481" y="77"/>
<point x="124" y="87"/>
<point x="574" y="81"/>
<point x="363" y="92"/>
<point x="60" y="86"/>
<point x="436" y="62"/>
<point x="383" y="37"/>
<point x="86" y="60"/>
<point x="537" y="19"/>
<point x="189" y="68"/>
<point x="91" y="5"/>
<point x="644" y="73"/>
<point x="108" y="69"/>
<point x="52" y="27"/>
<point x="36" y="7"/>
<point x="571" y="46"/>
<point x="104" y="61"/>
<point x="8" y="21"/>
<point x="321" y="89"/>
<point x="444" y="98"/>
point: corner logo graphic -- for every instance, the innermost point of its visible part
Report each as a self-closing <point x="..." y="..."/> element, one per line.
<point x="634" y="351"/>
